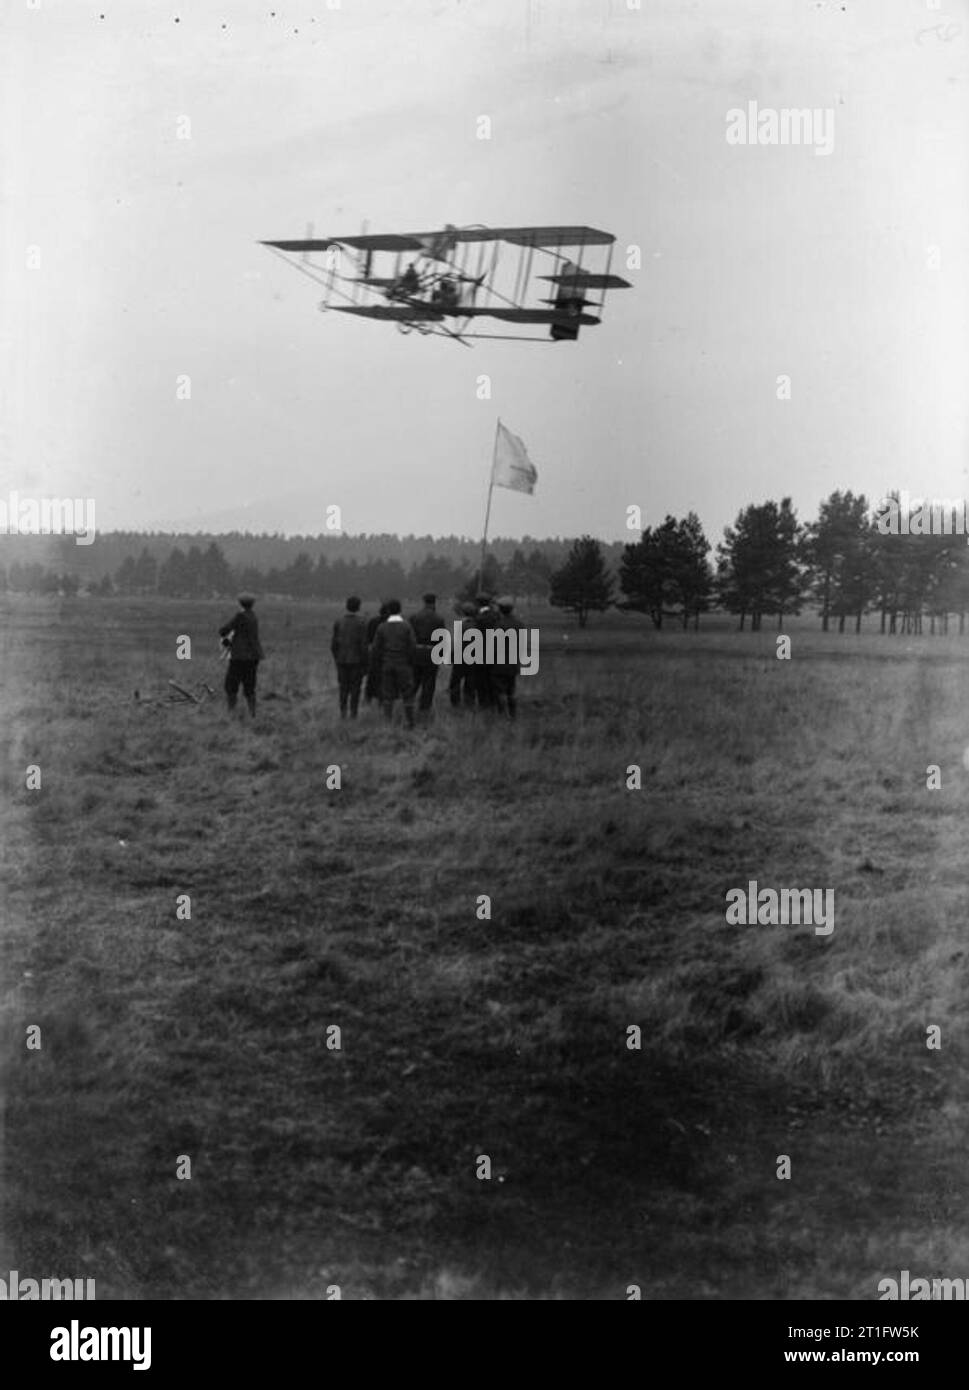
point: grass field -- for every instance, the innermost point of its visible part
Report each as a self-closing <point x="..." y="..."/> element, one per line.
<point x="460" y="1037"/>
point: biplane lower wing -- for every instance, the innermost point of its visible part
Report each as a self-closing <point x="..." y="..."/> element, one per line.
<point x="394" y="313"/>
<point x="408" y="313"/>
<point x="586" y="280"/>
<point x="528" y="316"/>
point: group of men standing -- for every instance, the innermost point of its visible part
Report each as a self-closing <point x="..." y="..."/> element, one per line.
<point x="395" y="656"/>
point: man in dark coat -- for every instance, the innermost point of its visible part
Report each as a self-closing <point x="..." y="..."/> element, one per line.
<point x="505" y="674"/>
<point x="480" y="674"/>
<point x="460" y="686"/>
<point x="394" y="648"/>
<point x="349" y="648"/>
<point x="241" y="635"/>
<point x="426" y="624"/>
<point x="371" y="690"/>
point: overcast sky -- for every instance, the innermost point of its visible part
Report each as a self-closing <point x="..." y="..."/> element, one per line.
<point x="757" y="261"/>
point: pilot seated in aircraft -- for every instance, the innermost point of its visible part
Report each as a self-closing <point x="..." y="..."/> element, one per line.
<point x="445" y="294"/>
<point x="410" y="281"/>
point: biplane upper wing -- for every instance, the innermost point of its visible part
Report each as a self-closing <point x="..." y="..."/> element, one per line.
<point x="306" y="245"/>
<point x="548" y="236"/>
<point x="420" y="241"/>
<point x="521" y="236"/>
<point x="362" y="243"/>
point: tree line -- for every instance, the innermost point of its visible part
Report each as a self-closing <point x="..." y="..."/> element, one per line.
<point x="768" y="564"/>
<point x="206" y="573"/>
<point x="845" y="563"/>
<point x="267" y="555"/>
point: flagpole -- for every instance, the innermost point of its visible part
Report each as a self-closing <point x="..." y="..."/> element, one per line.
<point x="491" y="488"/>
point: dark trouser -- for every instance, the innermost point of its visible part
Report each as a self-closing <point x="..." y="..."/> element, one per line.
<point x="426" y="679"/>
<point x="479" y="682"/>
<point x="459" y="687"/>
<point x="241" y="673"/>
<point x="350" y="679"/>
<point x="504" y="679"/>
<point x="371" y="690"/>
<point x="397" y="681"/>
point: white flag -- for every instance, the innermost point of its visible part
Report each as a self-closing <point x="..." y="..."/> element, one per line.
<point x="512" y="466"/>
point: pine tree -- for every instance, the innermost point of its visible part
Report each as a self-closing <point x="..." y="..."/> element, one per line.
<point x="126" y="576"/>
<point x="839" y="558"/>
<point x="145" y="574"/>
<point x="667" y="569"/>
<point x="758" y="563"/>
<point x="216" y="576"/>
<point x="582" y="585"/>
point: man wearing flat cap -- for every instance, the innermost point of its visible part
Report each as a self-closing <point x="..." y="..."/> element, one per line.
<point x="349" y="648"/>
<point x="394" y="647"/>
<point x="427" y="625"/>
<point x="241" y="635"/>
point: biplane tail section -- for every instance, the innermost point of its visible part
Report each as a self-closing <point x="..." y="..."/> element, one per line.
<point x="568" y="305"/>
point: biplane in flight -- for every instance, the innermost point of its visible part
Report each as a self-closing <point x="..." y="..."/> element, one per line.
<point x="448" y="282"/>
